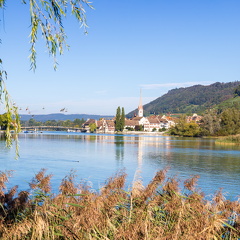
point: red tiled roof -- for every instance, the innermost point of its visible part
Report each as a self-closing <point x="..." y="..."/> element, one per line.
<point x="136" y="118"/>
<point x="89" y="121"/>
<point x="153" y="120"/>
<point x="130" y="122"/>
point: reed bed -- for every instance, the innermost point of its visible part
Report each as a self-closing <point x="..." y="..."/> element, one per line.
<point x="235" y="139"/>
<point x="160" y="210"/>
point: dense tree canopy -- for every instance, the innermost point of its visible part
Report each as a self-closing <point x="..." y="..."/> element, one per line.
<point x="213" y="123"/>
<point x="237" y="91"/>
<point x="194" y="99"/>
<point x="184" y="128"/>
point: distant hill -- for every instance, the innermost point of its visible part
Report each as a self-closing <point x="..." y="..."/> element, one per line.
<point x="231" y="102"/>
<point x="194" y="99"/>
<point x="61" y="116"/>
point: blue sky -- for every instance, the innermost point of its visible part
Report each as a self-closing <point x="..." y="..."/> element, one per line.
<point x="131" y="44"/>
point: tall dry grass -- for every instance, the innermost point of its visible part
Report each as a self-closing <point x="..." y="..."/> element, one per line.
<point x="160" y="210"/>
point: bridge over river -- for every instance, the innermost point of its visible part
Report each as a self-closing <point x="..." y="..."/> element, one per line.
<point x="52" y="128"/>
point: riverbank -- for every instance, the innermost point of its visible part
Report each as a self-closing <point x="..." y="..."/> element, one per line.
<point x="161" y="210"/>
<point x="232" y="140"/>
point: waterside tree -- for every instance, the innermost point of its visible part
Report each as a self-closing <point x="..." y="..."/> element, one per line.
<point x="3" y="121"/>
<point x="184" y="128"/>
<point x="92" y="127"/>
<point x="210" y="123"/>
<point x="120" y="119"/>
<point x="117" y="120"/>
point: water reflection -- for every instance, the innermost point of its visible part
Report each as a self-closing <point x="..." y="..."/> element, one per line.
<point x="119" y="147"/>
<point x="97" y="157"/>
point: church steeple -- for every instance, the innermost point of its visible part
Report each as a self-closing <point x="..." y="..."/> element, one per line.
<point x="140" y="106"/>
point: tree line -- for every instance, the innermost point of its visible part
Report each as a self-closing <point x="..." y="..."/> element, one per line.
<point x="77" y="123"/>
<point x="213" y="123"/>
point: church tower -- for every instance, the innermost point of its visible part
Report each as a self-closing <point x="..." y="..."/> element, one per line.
<point x="140" y="107"/>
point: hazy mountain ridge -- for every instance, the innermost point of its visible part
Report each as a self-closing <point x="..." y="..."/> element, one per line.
<point x="61" y="116"/>
<point x="192" y="99"/>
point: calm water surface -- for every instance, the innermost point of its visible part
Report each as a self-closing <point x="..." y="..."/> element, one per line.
<point x="97" y="157"/>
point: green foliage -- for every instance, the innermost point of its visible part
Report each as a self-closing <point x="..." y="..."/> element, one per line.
<point x="120" y="119"/>
<point x="223" y="123"/>
<point x="229" y="139"/>
<point x="185" y="129"/>
<point x="92" y="127"/>
<point x="47" y="17"/>
<point x="230" y="103"/>
<point x="53" y="123"/>
<point x="210" y="123"/>
<point x="3" y="121"/>
<point x="139" y="128"/>
<point x="230" y="122"/>
<point x="11" y="115"/>
<point x="237" y="91"/>
<point x="130" y="128"/>
<point x="76" y="123"/>
<point x="194" y="99"/>
<point x="162" y="129"/>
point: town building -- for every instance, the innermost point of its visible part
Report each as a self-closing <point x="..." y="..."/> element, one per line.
<point x="139" y="122"/>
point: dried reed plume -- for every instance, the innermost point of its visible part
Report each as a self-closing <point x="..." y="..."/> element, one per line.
<point x="161" y="210"/>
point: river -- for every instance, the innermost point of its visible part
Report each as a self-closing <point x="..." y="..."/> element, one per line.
<point x="95" y="157"/>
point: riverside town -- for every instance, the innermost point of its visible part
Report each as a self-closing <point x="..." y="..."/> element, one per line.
<point x="84" y="156"/>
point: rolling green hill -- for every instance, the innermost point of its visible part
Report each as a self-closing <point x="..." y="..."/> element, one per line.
<point x="231" y="102"/>
<point x="194" y="99"/>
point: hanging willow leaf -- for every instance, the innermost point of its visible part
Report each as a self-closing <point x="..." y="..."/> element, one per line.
<point x="11" y="112"/>
<point x="47" y="16"/>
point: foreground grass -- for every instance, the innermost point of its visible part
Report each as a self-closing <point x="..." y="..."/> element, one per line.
<point x="158" y="211"/>
<point x="235" y="139"/>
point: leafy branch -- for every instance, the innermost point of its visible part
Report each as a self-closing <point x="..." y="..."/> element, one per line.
<point x="13" y="120"/>
<point x="47" y="16"/>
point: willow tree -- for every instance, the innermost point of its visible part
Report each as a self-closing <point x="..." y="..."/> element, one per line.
<point x="46" y="18"/>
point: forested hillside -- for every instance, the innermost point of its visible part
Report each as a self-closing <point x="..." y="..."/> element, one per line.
<point x="194" y="99"/>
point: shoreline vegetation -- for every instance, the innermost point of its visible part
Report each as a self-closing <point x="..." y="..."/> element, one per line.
<point x="160" y="210"/>
<point x="232" y="140"/>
